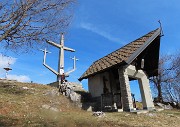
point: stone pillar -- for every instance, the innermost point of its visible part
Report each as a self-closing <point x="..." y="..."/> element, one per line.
<point x="146" y="93"/>
<point x="125" y="90"/>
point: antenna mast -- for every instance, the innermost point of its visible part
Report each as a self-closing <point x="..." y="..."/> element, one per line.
<point x="7" y="69"/>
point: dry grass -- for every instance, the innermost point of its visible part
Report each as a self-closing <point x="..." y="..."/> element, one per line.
<point x="152" y="119"/>
<point x="23" y="108"/>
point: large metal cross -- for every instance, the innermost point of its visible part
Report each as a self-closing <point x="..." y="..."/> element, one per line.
<point x="61" y="46"/>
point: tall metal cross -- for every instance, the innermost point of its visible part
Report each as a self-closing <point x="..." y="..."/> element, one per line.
<point x="62" y="48"/>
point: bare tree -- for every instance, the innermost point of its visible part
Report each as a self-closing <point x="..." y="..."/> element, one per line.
<point x="162" y="77"/>
<point x="29" y="22"/>
<point x="167" y="83"/>
<point x="171" y="89"/>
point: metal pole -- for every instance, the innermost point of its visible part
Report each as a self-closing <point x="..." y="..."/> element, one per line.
<point x="61" y="58"/>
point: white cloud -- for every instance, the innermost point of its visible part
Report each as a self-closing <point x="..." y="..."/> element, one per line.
<point x="4" y="60"/>
<point x="95" y="29"/>
<point x="19" y="78"/>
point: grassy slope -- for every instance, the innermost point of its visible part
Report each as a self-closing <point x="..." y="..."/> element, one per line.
<point x="23" y="107"/>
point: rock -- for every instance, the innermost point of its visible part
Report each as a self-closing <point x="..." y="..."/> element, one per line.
<point x="72" y="85"/>
<point x="25" y="88"/>
<point x="52" y="93"/>
<point x="54" y="109"/>
<point x="75" y="97"/>
<point x="50" y="108"/>
<point x="140" y="111"/>
<point x="159" y="109"/>
<point x="164" y="106"/>
<point x="68" y="92"/>
<point x="168" y="106"/>
<point x="75" y="86"/>
<point x="172" y="115"/>
<point x="90" y="109"/>
<point x="151" y="114"/>
<point x="70" y="89"/>
<point x="99" y="114"/>
<point x="46" y="106"/>
<point x="127" y="114"/>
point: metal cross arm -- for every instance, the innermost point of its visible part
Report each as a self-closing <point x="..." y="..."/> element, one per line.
<point x="44" y="62"/>
<point x="54" y="44"/>
<point x="74" y="61"/>
<point x="45" y="50"/>
<point x="60" y="46"/>
<point x="69" y="49"/>
<point x="74" y="66"/>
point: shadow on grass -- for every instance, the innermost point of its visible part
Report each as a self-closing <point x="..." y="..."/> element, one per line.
<point x="11" y="89"/>
<point x="6" y="121"/>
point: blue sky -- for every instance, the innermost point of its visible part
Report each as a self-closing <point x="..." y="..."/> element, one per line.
<point x="98" y="28"/>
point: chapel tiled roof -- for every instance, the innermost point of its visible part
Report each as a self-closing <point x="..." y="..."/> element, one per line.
<point x="118" y="56"/>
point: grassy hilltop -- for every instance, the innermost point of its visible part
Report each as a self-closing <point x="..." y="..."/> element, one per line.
<point x="35" y="105"/>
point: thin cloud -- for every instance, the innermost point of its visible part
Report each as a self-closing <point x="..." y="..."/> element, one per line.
<point x="94" y="29"/>
<point x="19" y="78"/>
<point x="4" y="60"/>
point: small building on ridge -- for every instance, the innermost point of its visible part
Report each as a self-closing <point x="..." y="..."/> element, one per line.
<point x="108" y="77"/>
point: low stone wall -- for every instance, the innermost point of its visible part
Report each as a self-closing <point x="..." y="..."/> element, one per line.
<point x="80" y="97"/>
<point x="72" y="90"/>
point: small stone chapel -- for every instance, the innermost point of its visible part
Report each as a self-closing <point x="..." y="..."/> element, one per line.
<point x="108" y="77"/>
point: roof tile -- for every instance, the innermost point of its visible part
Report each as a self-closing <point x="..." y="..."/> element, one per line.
<point x="117" y="56"/>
